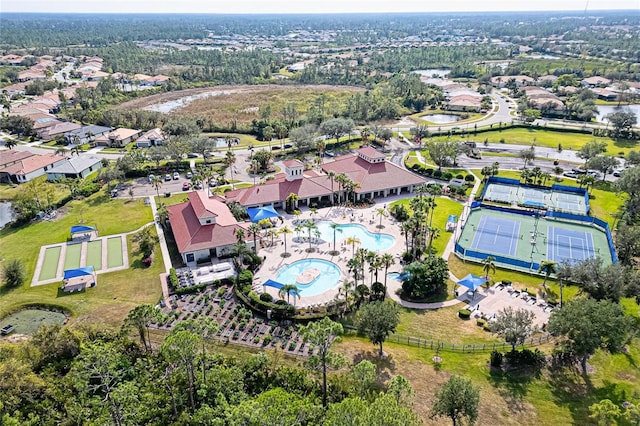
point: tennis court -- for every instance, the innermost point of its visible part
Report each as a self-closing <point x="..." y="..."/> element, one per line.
<point x="571" y="245"/>
<point x="568" y="202"/>
<point x="519" y="240"/>
<point x="536" y="197"/>
<point x="497" y="234"/>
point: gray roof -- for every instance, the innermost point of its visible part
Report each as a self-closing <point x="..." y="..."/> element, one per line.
<point x="84" y="131"/>
<point x="75" y="165"/>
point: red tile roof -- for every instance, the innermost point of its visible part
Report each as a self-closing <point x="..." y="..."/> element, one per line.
<point x="371" y="152"/>
<point x="190" y="235"/>
<point x="32" y="163"/>
<point x="293" y="163"/>
<point x="8" y="156"/>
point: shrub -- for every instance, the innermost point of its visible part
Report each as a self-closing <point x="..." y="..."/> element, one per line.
<point x="464" y="314"/>
<point x="496" y="359"/>
<point x="447" y="176"/>
<point x="506" y="282"/>
<point x="437" y="174"/>
<point x="469" y="178"/>
<point x="428" y="172"/>
<point x="480" y="322"/>
<point x="266" y="297"/>
<point x="525" y="358"/>
<point x="147" y="261"/>
<point x="459" y="176"/>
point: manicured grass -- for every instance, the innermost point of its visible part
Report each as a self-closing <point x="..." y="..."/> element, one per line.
<point x="444" y="207"/>
<point x="50" y="263"/>
<point x="551" y="139"/>
<point x="28" y="321"/>
<point x="106" y="304"/>
<point x="72" y="256"/>
<point x="114" y="252"/>
<point x="94" y="254"/>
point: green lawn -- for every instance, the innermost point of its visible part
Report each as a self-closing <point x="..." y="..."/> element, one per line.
<point x="444" y="208"/>
<point x="110" y="216"/>
<point x="550" y="138"/>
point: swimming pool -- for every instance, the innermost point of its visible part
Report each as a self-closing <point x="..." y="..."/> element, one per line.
<point x="375" y="242"/>
<point x="325" y="274"/>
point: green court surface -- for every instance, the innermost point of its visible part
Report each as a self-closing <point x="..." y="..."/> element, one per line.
<point x="50" y="263"/>
<point x="72" y="257"/>
<point x="114" y="252"/>
<point x="94" y="254"/>
<point x="527" y="239"/>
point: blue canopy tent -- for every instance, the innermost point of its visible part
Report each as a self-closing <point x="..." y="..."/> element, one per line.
<point x="82" y="231"/>
<point x="472" y="282"/>
<point x="451" y="223"/>
<point x="78" y="279"/>
<point x="256" y="214"/>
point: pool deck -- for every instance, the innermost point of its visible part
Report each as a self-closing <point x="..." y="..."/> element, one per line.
<point x="366" y="217"/>
<point x="83" y="257"/>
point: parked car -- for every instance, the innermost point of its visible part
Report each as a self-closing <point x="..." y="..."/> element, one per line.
<point x="572" y="175"/>
<point x="185" y="186"/>
<point x="176" y="175"/>
<point x="617" y="172"/>
<point x="151" y="177"/>
<point x="192" y="155"/>
<point x="189" y="175"/>
<point x="167" y="177"/>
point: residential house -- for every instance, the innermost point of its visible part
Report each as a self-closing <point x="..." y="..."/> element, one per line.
<point x="153" y="137"/>
<point x="464" y="103"/>
<point x="117" y="138"/>
<point x="29" y="75"/>
<point x="75" y="168"/>
<point x="9" y="157"/>
<point x="29" y="168"/>
<point x="86" y="134"/>
<point x="605" y="94"/>
<point x="204" y="227"/>
<point x="595" y="81"/>
<point x="60" y="129"/>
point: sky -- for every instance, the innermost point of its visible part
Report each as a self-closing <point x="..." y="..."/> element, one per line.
<point x="307" y="6"/>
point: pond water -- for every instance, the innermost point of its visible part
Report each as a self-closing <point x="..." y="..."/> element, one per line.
<point x="28" y="321"/>
<point x="438" y="72"/>
<point x="441" y="118"/>
<point x="6" y="214"/>
<point x="604" y="110"/>
<point x="166" y="107"/>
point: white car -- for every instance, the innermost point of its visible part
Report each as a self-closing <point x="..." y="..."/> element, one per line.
<point x="176" y="176"/>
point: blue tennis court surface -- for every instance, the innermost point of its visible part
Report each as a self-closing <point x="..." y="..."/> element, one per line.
<point x="497" y="235"/>
<point x="565" y="244"/>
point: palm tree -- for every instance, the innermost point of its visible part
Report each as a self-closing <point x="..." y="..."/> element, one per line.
<point x="156" y="182"/>
<point x="289" y="289"/>
<point x="365" y="132"/>
<point x="230" y="161"/>
<point x="386" y="261"/>
<point x="341" y="179"/>
<point x="353" y="241"/>
<point x="254" y="230"/>
<point x="381" y="212"/>
<point x="10" y="143"/>
<point x="332" y="176"/>
<point x="310" y="226"/>
<point x="239" y="235"/>
<point x="489" y="265"/>
<point x="336" y="228"/>
<point x="434" y="233"/>
<point x="548" y="267"/>
<point x="291" y="201"/>
<point x="284" y="231"/>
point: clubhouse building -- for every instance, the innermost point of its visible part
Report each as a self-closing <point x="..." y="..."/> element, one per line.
<point x="374" y="177"/>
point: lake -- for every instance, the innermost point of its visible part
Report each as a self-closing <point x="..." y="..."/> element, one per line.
<point x="604" y="110"/>
<point x="438" y="72"/>
<point x="6" y="214"/>
<point x="441" y="118"/>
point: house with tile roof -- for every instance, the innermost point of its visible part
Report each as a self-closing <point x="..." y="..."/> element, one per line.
<point x="204" y="227"/>
<point x="9" y="157"/>
<point x="117" y="138"/>
<point x="86" y="134"/>
<point x="51" y="132"/>
<point x="153" y="137"/>
<point x="375" y="177"/>
<point x="29" y="168"/>
<point x="75" y="168"/>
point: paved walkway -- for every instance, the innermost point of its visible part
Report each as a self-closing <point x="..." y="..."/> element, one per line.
<point x="166" y="258"/>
